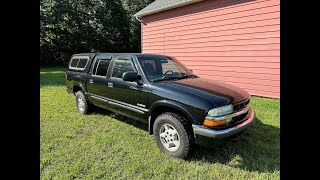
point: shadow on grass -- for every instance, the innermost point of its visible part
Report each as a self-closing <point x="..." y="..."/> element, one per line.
<point x="127" y="120"/>
<point x="52" y="77"/>
<point x="257" y="149"/>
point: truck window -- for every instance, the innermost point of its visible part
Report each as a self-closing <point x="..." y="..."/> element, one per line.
<point x="74" y="63"/>
<point x="101" y="67"/>
<point x="121" y="66"/>
<point x="79" y="62"/>
<point x="82" y="63"/>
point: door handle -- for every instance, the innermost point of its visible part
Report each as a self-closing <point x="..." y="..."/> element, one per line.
<point x="90" y="81"/>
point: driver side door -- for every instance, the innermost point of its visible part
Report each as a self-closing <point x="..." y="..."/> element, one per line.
<point x="127" y="98"/>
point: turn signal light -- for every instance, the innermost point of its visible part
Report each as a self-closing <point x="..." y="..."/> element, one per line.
<point x="211" y="123"/>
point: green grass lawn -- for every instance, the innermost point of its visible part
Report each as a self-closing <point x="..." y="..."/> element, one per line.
<point x="104" y="145"/>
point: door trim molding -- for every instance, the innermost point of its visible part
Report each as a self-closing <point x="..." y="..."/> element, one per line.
<point x="120" y="104"/>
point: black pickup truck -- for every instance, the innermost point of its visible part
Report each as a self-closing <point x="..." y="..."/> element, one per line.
<point x="177" y="105"/>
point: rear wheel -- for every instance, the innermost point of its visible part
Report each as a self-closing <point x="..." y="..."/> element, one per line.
<point x="82" y="103"/>
<point x="173" y="135"/>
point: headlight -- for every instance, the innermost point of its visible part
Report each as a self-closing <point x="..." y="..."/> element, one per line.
<point x="221" y="111"/>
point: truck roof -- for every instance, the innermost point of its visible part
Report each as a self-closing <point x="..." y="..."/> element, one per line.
<point x="139" y="54"/>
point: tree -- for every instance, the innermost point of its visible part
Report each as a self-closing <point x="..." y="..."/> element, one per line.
<point x="76" y="26"/>
<point x="132" y="7"/>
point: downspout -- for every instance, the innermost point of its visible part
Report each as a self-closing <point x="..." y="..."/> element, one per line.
<point x="140" y="31"/>
<point x="138" y="19"/>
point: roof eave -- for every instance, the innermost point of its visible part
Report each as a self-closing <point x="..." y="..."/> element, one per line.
<point x="166" y="8"/>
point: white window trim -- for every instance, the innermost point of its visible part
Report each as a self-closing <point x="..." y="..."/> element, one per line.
<point x="79" y="57"/>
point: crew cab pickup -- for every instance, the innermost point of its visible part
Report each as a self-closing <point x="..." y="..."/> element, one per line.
<point x="177" y="105"/>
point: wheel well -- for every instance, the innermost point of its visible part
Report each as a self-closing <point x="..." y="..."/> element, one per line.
<point x="162" y="109"/>
<point x="76" y="88"/>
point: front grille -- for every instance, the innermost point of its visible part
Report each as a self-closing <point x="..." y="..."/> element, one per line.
<point x="234" y="121"/>
<point x="238" y="118"/>
<point x="238" y="107"/>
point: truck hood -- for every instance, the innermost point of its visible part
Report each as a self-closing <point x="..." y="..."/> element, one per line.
<point x="218" y="93"/>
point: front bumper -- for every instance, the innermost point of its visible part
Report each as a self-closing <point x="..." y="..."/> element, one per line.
<point x="224" y="133"/>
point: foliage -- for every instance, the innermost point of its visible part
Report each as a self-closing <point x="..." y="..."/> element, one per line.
<point x="132" y="7"/>
<point x="76" y="26"/>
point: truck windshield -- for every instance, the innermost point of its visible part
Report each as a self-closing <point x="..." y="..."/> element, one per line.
<point x="158" y="68"/>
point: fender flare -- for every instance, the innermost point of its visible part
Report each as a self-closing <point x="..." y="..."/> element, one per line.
<point x="79" y="85"/>
<point x="82" y="88"/>
<point x="172" y="104"/>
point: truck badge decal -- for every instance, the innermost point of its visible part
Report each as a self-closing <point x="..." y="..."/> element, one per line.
<point x="141" y="105"/>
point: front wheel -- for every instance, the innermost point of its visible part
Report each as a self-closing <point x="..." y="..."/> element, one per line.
<point x="173" y="135"/>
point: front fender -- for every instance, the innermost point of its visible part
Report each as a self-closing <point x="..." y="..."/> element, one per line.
<point x="175" y="105"/>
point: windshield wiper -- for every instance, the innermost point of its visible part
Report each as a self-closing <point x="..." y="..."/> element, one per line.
<point x="188" y="76"/>
<point x="170" y="78"/>
<point x="165" y="78"/>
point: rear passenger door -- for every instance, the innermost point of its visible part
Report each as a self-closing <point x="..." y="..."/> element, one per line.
<point x="97" y="81"/>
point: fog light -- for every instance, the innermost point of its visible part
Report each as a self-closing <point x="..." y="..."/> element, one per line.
<point x="211" y="123"/>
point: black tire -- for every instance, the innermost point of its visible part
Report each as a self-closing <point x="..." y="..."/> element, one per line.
<point x="85" y="108"/>
<point x="185" y="134"/>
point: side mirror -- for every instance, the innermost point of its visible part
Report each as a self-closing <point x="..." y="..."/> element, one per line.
<point x="130" y="76"/>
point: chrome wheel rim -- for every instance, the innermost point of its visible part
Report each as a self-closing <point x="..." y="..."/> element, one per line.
<point x="169" y="137"/>
<point x="81" y="104"/>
